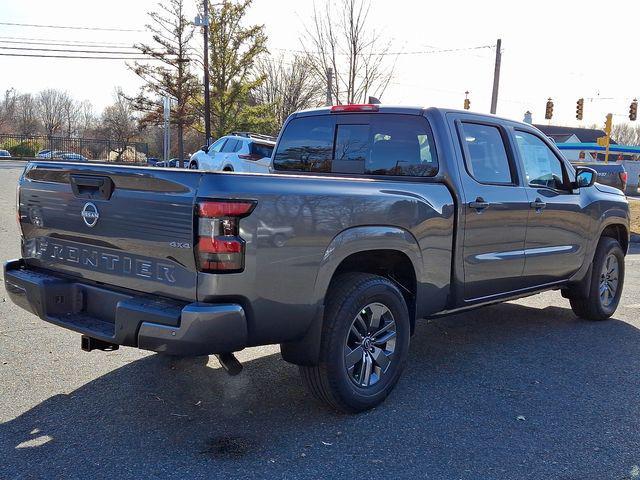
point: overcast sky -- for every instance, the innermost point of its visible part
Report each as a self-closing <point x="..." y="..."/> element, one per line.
<point x="560" y="49"/>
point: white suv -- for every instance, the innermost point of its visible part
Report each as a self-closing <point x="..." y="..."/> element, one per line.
<point x="237" y="152"/>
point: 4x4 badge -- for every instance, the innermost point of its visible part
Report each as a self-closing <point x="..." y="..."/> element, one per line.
<point x="90" y="214"/>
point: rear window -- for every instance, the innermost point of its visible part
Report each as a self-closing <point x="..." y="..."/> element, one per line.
<point x="376" y="144"/>
<point x="265" y="151"/>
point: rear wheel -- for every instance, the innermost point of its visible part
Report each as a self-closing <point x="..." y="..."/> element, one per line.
<point x="605" y="288"/>
<point x="364" y="344"/>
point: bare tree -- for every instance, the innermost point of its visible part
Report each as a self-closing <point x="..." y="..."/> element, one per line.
<point x="51" y="109"/>
<point x="27" y="121"/>
<point x="70" y="111"/>
<point x="346" y="45"/>
<point x="7" y="110"/>
<point x="172" y="32"/>
<point x="86" y="118"/>
<point x="119" y="124"/>
<point x="287" y="86"/>
<point x="626" y="134"/>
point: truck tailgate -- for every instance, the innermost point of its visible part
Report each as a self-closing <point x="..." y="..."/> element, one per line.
<point x="123" y="226"/>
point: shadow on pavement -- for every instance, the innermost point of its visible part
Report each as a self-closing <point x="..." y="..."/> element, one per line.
<point x="504" y="392"/>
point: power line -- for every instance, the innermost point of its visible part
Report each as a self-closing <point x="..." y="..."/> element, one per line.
<point x="67" y="51"/>
<point x="76" y="56"/>
<point x="419" y="52"/>
<point x="2" y="38"/>
<point x="68" y="27"/>
<point x="96" y="45"/>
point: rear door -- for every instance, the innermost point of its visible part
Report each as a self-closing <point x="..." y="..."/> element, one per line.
<point x="558" y="227"/>
<point x="495" y="211"/>
<point x="128" y="227"/>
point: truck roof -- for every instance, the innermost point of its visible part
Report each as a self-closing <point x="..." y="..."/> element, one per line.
<point x="411" y="110"/>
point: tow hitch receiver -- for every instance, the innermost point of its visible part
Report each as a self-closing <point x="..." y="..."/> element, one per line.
<point x="89" y="343"/>
<point x="230" y="363"/>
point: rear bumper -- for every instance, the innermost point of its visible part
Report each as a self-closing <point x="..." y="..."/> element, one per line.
<point x="126" y="318"/>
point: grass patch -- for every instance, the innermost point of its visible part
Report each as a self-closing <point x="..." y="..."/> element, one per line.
<point x="634" y="206"/>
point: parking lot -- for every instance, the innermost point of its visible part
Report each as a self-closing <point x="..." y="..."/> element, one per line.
<point x="519" y="390"/>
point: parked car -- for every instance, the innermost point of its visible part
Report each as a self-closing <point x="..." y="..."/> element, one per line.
<point x="49" y="154"/>
<point x="173" y="163"/>
<point x="5" y="153"/>
<point x="152" y="161"/>
<point x="237" y="152"/>
<point x="391" y="215"/>
<point x="612" y="173"/>
<point x="71" y="157"/>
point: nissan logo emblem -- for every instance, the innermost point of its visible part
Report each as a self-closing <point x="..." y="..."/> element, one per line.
<point x="90" y="214"/>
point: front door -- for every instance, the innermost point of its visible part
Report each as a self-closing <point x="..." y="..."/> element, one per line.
<point x="558" y="225"/>
<point x="495" y="212"/>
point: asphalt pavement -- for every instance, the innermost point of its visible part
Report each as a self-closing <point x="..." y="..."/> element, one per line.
<point x="514" y="391"/>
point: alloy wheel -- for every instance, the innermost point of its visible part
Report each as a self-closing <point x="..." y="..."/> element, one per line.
<point x="370" y="344"/>
<point x="609" y="278"/>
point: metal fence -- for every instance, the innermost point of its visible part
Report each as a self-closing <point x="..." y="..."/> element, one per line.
<point x="91" y="148"/>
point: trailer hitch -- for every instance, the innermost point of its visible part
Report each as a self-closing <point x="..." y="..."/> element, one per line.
<point x="89" y="343"/>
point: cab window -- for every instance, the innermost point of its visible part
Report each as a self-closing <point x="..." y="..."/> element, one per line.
<point x="542" y="167"/>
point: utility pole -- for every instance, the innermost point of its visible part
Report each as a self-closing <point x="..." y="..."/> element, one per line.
<point x="166" y="113"/>
<point x="329" y="101"/>
<point x="496" y="77"/>
<point x="203" y="21"/>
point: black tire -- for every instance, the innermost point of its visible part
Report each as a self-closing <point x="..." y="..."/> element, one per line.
<point x="193" y="166"/>
<point x="279" y="240"/>
<point x="330" y="381"/>
<point x="593" y="307"/>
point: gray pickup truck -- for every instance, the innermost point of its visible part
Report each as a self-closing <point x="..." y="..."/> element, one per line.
<point x="385" y="215"/>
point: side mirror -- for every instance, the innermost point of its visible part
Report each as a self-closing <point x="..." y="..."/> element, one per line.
<point x="205" y="148"/>
<point x="585" y="177"/>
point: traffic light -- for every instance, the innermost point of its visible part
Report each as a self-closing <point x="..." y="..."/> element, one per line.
<point x="633" y="110"/>
<point x="579" y="108"/>
<point x="467" y="102"/>
<point x="549" y="110"/>
<point x="607" y="125"/>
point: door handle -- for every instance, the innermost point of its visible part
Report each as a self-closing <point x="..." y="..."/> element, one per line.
<point x="538" y="204"/>
<point x="479" y="204"/>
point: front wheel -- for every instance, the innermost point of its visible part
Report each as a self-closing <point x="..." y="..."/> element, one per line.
<point x="364" y="345"/>
<point x="605" y="288"/>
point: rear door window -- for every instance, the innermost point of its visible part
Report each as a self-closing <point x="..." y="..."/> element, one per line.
<point x="486" y="155"/>
<point x="376" y="144"/>
<point x="230" y="146"/>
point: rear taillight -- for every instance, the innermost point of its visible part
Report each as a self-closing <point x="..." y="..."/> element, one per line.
<point x="624" y="177"/>
<point x="219" y="247"/>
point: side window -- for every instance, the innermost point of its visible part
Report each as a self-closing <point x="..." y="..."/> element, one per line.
<point x="229" y="146"/>
<point x="542" y="167"/>
<point x="238" y="146"/>
<point x="487" y="161"/>
<point x="306" y="145"/>
<point x="217" y="146"/>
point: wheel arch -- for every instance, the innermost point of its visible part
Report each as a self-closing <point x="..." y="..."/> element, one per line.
<point x="391" y="252"/>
